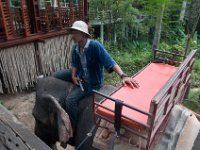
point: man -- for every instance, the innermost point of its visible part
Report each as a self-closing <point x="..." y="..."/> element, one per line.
<point x="89" y="57"/>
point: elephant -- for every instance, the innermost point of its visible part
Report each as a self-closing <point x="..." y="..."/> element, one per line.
<point x="50" y="116"/>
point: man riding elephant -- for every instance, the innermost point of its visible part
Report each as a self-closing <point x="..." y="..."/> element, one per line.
<point x="89" y="57"/>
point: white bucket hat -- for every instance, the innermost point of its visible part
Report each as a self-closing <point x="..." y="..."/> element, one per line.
<point x="80" y="26"/>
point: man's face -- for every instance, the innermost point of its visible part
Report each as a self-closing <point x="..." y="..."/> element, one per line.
<point x="77" y="36"/>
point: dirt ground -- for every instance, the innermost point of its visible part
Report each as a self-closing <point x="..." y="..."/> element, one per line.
<point x="21" y="105"/>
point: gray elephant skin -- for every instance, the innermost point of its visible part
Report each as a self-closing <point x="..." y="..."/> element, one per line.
<point x="47" y="118"/>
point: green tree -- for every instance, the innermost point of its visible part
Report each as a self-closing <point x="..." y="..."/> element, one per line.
<point x="119" y="14"/>
<point x="144" y="19"/>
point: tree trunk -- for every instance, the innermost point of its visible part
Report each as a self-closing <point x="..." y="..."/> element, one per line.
<point x="157" y="34"/>
<point x="102" y="32"/>
<point x="182" y="14"/>
<point x="192" y="14"/>
<point x="115" y="35"/>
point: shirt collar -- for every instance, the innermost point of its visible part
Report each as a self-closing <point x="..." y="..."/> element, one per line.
<point x="87" y="43"/>
<point x="85" y="47"/>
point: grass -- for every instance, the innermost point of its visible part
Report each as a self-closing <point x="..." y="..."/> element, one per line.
<point x="131" y="59"/>
<point x="196" y="74"/>
<point x="193" y="100"/>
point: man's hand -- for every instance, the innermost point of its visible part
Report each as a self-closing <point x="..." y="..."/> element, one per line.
<point x="125" y="79"/>
<point x="130" y="81"/>
<point x="76" y="80"/>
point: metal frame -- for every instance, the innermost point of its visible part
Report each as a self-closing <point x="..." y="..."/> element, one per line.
<point x="170" y="94"/>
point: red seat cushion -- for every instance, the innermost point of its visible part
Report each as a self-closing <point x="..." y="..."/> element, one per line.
<point x="151" y="80"/>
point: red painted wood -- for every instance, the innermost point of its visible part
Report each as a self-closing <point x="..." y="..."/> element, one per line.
<point x="151" y="80"/>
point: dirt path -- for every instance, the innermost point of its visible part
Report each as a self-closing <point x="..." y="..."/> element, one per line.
<point x="21" y="105"/>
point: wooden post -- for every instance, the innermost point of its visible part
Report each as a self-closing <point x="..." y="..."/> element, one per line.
<point x="7" y="22"/>
<point x="71" y="16"/>
<point x="36" y="16"/>
<point x="81" y="9"/>
<point x="25" y="18"/>
<point x="59" y="19"/>
<point x="86" y="10"/>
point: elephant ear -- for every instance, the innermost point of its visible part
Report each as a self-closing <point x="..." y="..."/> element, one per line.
<point x="62" y="121"/>
<point x="65" y="131"/>
<point x="52" y="86"/>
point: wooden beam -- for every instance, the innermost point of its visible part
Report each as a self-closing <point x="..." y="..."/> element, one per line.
<point x="32" y="38"/>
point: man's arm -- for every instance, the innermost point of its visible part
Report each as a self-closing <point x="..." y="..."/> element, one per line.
<point x="125" y="79"/>
<point x="110" y="65"/>
<point x="74" y="77"/>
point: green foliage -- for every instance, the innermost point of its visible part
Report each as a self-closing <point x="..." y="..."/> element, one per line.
<point x="130" y="52"/>
<point x="172" y="48"/>
<point x="134" y="20"/>
<point x="153" y="7"/>
<point x="195" y="45"/>
<point x="180" y="48"/>
<point x="122" y="18"/>
<point x="131" y="58"/>
<point x="196" y="66"/>
<point x="15" y="3"/>
<point x="174" y="34"/>
<point x="196" y="74"/>
<point x="193" y="100"/>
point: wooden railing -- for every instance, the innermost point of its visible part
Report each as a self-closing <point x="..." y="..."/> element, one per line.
<point x="161" y="104"/>
<point x="167" y="57"/>
<point x="7" y="25"/>
<point x="172" y="93"/>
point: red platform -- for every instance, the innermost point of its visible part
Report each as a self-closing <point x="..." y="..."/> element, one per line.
<point x="151" y="80"/>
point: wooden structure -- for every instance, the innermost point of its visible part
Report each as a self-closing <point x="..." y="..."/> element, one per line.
<point x="145" y="110"/>
<point x="14" y="135"/>
<point x="34" y="39"/>
<point x="32" y="21"/>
